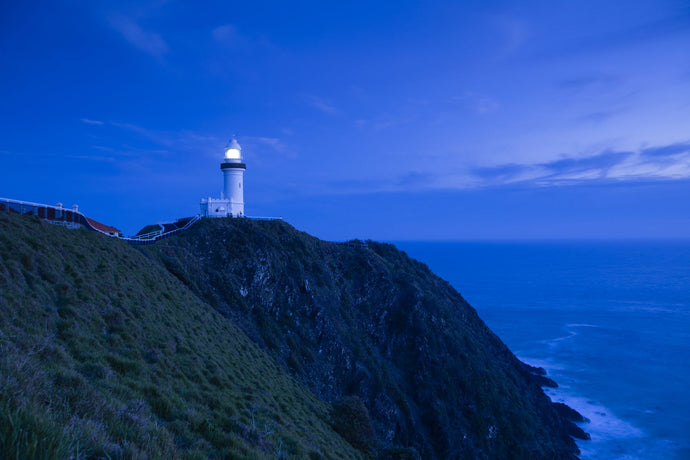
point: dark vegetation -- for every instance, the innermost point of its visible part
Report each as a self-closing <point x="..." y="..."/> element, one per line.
<point x="363" y="319"/>
<point x="247" y="339"/>
<point x="104" y="354"/>
<point x="351" y="420"/>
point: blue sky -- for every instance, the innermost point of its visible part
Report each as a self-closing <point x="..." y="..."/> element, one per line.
<point x="387" y="120"/>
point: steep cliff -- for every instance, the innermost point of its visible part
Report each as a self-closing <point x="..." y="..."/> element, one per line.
<point x="364" y="320"/>
<point x="249" y="339"/>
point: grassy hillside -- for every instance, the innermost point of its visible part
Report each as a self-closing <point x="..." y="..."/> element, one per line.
<point x="105" y="354"/>
<point x="364" y="321"/>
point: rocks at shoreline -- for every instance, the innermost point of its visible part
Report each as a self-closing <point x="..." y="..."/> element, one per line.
<point x="565" y="411"/>
<point x="538" y="375"/>
<point x="573" y="416"/>
<point x="578" y="433"/>
<point x="570" y="413"/>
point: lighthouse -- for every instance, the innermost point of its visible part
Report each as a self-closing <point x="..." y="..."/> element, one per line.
<point x="233" y="178"/>
<point x="231" y="202"/>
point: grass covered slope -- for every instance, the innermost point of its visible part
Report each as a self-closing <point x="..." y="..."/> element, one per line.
<point x="103" y="353"/>
<point x="365" y="321"/>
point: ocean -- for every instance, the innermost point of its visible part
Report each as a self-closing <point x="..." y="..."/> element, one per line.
<point x="609" y="321"/>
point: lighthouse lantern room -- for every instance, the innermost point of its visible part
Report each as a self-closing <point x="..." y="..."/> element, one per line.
<point x="231" y="202"/>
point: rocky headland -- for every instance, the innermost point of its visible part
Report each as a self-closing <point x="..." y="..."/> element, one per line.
<point x="251" y="339"/>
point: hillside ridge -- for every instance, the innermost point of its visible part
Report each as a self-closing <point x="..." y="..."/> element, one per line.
<point x="366" y="320"/>
<point x="251" y="339"/>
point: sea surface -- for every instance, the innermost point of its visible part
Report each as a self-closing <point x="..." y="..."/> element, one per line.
<point x="609" y="321"/>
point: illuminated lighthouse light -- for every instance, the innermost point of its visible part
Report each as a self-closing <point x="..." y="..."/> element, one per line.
<point x="232" y="154"/>
<point x="233" y="151"/>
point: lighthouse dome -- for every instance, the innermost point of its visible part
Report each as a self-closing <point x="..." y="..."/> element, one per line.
<point x="233" y="151"/>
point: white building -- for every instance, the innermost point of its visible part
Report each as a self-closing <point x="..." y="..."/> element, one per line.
<point x="231" y="201"/>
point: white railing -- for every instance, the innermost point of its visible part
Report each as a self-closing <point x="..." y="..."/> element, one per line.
<point x="152" y="237"/>
<point x="149" y="235"/>
<point x="76" y="219"/>
<point x="29" y="203"/>
<point x="26" y="207"/>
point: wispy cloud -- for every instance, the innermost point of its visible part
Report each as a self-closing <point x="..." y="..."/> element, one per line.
<point x="101" y="158"/>
<point x="140" y="142"/>
<point x="643" y="32"/>
<point x="170" y="139"/>
<point x="321" y="104"/>
<point x="156" y="136"/>
<point x="660" y="163"/>
<point x="485" y="105"/>
<point x="589" y="81"/>
<point x="415" y="179"/>
<point x="273" y="144"/>
<point x="605" y="167"/>
<point x="514" y="32"/>
<point x="477" y="103"/>
<point x="503" y="173"/>
<point x="228" y="35"/>
<point x="234" y="45"/>
<point x="600" y="163"/>
<point x="651" y="30"/>
<point x="598" y="116"/>
<point x="91" y="122"/>
<point x="145" y="40"/>
<point x="384" y="122"/>
<point x="103" y="148"/>
<point x="666" y="162"/>
<point x="667" y="150"/>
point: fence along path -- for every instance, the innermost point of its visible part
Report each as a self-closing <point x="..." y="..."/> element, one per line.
<point x="53" y="214"/>
<point x="166" y="230"/>
<point x="72" y="218"/>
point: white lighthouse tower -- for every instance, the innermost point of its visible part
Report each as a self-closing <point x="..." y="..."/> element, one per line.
<point x="233" y="178"/>
<point x="231" y="202"/>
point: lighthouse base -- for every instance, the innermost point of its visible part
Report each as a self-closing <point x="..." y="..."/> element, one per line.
<point x="212" y="207"/>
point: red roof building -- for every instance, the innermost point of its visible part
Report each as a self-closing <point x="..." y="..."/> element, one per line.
<point x="102" y="227"/>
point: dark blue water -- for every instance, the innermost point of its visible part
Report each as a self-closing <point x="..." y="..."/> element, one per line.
<point x="610" y="321"/>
